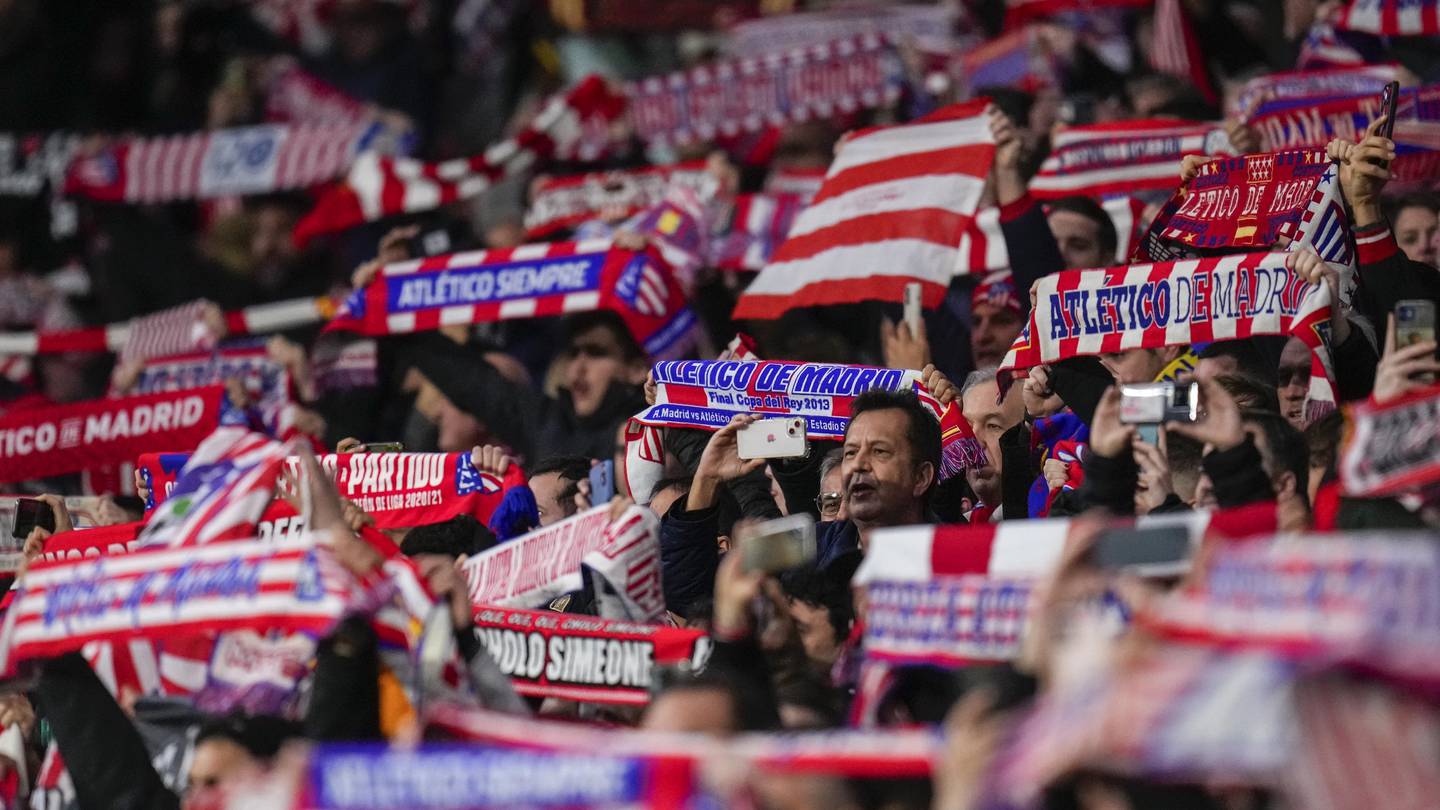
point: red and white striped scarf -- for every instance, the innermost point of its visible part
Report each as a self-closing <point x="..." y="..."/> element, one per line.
<point x="377" y="187"/>
<point x="221" y="491"/>
<point x="166" y="594"/>
<point x="1390" y="449"/>
<point x="564" y="202"/>
<point x="1088" y="312"/>
<point x="894" y="206"/>
<point x="747" y="95"/>
<point x="1123" y="157"/>
<point x="177" y="330"/>
<point x="220" y="163"/>
<point x="533" y="569"/>
<point x="1394" y="18"/>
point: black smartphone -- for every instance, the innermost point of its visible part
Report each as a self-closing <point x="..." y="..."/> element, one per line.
<point x="1389" y="101"/>
<point x="383" y="447"/>
<point x="29" y="513"/>
<point x="1151" y="551"/>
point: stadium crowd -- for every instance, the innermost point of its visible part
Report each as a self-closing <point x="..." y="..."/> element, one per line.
<point x="719" y="403"/>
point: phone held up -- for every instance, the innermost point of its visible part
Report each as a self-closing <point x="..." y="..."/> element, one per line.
<point x="773" y="438"/>
<point x="1389" y="102"/>
<point x="602" y="482"/>
<point x="1151" y="404"/>
<point x="778" y="545"/>
<point x="31" y="513"/>
<point x="1415" y="323"/>
<point x="1146" y="551"/>
<point x="912" y="308"/>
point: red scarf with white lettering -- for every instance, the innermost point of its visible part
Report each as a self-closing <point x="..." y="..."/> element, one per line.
<point x="397" y="489"/>
<point x="574" y="657"/>
<point x="746" y="95"/>
<point x="1390" y="449"/>
<point x="83" y="435"/>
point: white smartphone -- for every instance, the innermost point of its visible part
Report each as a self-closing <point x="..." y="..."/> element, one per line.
<point x="912" y="307"/>
<point x="773" y="438"/>
<point x="778" y="545"/>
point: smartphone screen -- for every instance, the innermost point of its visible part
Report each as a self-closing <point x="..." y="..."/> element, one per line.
<point x="1151" y="551"/>
<point x="1389" y="102"/>
<point x="778" y="545"/>
<point x="383" y="447"/>
<point x="29" y="513"/>
<point x="602" y="482"/>
<point x="912" y="307"/>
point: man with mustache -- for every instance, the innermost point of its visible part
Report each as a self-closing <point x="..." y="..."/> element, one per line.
<point x="889" y="465"/>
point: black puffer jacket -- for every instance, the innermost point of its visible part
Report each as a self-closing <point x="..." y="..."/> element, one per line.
<point x="532" y="423"/>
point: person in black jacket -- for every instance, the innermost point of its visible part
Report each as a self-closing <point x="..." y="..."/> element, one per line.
<point x="601" y="388"/>
<point x="1249" y="457"/>
<point x="890" y="464"/>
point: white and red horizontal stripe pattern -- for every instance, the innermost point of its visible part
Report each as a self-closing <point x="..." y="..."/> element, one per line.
<point x="378" y="187"/>
<point x="890" y="753"/>
<point x="256" y="320"/>
<point x="539" y="306"/>
<point x="281" y="573"/>
<point x="892" y="210"/>
<point x="1124" y="157"/>
<point x="1017" y="549"/>
<point x="1396" y="18"/>
<point x="177" y="330"/>
<point x="1054" y="339"/>
<point x="201" y="165"/>
<point x="983" y="248"/>
<point x="221" y="492"/>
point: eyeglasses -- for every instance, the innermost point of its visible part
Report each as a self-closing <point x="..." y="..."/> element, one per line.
<point x="1300" y="374"/>
<point x="829" y="504"/>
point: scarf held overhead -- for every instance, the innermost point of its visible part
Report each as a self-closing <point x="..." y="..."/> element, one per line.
<point x="83" y="435"/>
<point x="533" y="569"/>
<point x="564" y="202"/>
<point x="705" y="394"/>
<point x="1248" y="202"/>
<point x="1124" y="157"/>
<point x="584" y="658"/>
<point x="377" y="187"/>
<point x="1390" y="449"/>
<point x="892" y="210"/>
<point x="163" y="593"/>
<point x="747" y="95"/>
<point x="1313" y="122"/>
<point x="396" y="489"/>
<point x="529" y="281"/>
<point x="1147" y="306"/>
<point x="224" y="162"/>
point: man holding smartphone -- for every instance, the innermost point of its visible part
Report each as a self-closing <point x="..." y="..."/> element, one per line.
<point x="889" y="466"/>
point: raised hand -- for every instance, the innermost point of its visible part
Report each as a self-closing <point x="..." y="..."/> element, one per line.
<point x="902" y="349"/>
<point x="1108" y="436"/>
<point x="1404" y="369"/>
<point x="939" y="385"/>
<point x="1307" y="264"/>
<point x="1219" y="424"/>
<point x="721" y="462"/>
